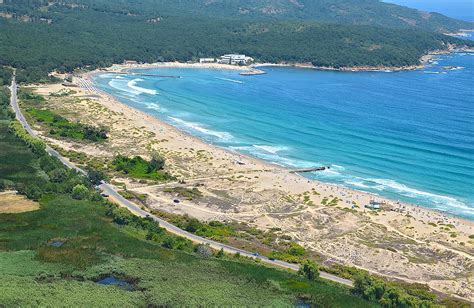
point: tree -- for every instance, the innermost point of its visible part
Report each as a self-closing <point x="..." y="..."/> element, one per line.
<point x="95" y="176"/>
<point x="33" y="192"/>
<point x="58" y="175"/>
<point x="220" y="253"/>
<point x="157" y="163"/>
<point x="296" y="250"/>
<point x="80" y="192"/>
<point x="168" y="243"/>
<point x="203" y="250"/>
<point x="309" y="269"/>
<point x="193" y="225"/>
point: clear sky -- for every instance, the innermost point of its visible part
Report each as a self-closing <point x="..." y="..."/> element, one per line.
<point x="461" y="9"/>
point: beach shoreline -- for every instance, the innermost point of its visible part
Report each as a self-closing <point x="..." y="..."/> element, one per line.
<point x="242" y="188"/>
<point x="424" y="60"/>
<point x="256" y="160"/>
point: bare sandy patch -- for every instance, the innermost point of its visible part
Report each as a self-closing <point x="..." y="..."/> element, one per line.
<point x="11" y="202"/>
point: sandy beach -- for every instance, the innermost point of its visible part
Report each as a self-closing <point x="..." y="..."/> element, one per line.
<point x="124" y="68"/>
<point x="403" y="241"/>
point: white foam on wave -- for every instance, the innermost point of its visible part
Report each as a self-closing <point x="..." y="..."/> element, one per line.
<point x="155" y="106"/>
<point x="105" y="76"/>
<point x="360" y="183"/>
<point x="337" y="167"/>
<point x="270" y="148"/>
<point x="442" y="202"/>
<point x="119" y="77"/>
<point x="224" y="136"/>
<point x="133" y="84"/>
<point x="230" y="80"/>
<point x="121" y="85"/>
<point x="270" y="153"/>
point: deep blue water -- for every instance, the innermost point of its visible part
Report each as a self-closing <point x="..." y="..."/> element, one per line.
<point x="460" y="9"/>
<point x="406" y="135"/>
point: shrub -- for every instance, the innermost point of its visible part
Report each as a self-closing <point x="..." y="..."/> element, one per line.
<point x="58" y="175"/>
<point x="220" y="253"/>
<point x="157" y="163"/>
<point x="33" y="192"/>
<point x="80" y="192"/>
<point x="309" y="269"/>
<point x="296" y="250"/>
<point x="389" y="295"/>
<point x="95" y="176"/>
<point x="168" y="243"/>
<point x="140" y="168"/>
<point x="203" y="250"/>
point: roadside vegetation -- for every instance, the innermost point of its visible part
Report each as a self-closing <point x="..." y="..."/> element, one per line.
<point x="277" y="246"/>
<point x="61" y="127"/>
<point x="55" y="124"/>
<point x="5" y="75"/>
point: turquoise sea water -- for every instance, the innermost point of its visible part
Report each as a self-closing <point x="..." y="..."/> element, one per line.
<point x="405" y="135"/>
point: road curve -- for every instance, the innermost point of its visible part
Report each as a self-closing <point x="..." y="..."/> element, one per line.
<point x="135" y="209"/>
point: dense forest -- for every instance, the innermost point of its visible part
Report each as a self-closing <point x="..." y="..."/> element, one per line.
<point x="353" y="12"/>
<point x="38" y="37"/>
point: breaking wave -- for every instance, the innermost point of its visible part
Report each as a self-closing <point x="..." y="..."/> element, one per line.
<point x="223" y="136"/>
<point x="133" y="84"/>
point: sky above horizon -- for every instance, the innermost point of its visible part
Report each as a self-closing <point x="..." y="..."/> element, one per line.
<point x="460" y="9"/>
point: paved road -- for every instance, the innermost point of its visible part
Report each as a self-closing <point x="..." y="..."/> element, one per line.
<point x="22" y="120"/>
<point x="112" y="192"/>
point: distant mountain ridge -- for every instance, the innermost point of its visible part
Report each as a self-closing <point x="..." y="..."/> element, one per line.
<point x="346" y="12"/>
<point x="356" y="12"/>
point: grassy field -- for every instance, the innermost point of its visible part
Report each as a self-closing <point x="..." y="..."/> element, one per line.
<point x="38" y="273"/>
<point x="55" y="255"/>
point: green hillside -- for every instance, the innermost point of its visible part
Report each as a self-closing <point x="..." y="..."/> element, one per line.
<point x="38" y="39"/>
<point x="351" y="12"/>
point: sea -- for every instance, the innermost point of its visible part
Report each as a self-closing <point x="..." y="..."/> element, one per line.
<point x="460" y="9"/>
<point x="408" y="136"/>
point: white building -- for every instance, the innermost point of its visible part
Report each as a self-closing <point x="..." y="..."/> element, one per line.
<point x="235" y="59"/>
<point x="130" y="62"/>
<point x="207" y="60"/>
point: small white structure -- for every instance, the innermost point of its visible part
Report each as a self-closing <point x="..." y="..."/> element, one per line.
<point x="207" y="60"/>
<point x="130" y="62"/>
<point x="235" y="59"/>
<point x="373" y="205"/>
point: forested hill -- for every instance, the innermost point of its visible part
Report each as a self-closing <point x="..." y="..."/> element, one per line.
<point x="38" y="36"/>
<point x="353" y="12"/>
<point x="350" y="12"/>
